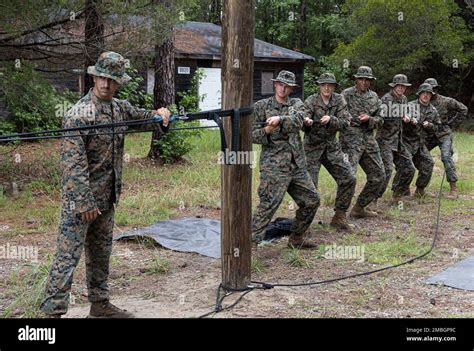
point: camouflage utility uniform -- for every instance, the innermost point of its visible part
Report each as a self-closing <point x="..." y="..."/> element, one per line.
<point x="322" y="147"/>
<point x="282" y="167"/>
<point x="91" y="178"/>
<point x="414" y="137"/>
<point x="390" y="140"/>
<point x="451" y="113"/>
<point x="358" y="141"/>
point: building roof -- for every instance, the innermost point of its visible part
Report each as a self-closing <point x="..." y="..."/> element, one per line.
<point x="203" y="41"/>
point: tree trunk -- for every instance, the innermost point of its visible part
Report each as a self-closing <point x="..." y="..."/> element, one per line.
<point x="237" y="83"/>
<point x="302" y="25"/>
<point x="94" y="38"/>
<point x="215" y="13"/>
<point x="325" y="38"/>
<point x="164" y="89"/>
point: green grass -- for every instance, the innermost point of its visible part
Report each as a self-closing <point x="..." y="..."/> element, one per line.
<point x="27" y="290"/>
<point x="158" y="265"/>
<point x="296" y="258"/>
<point x="390" y="248"/>
<point x="115" y="261"/>
<point x="44" y="186"/>
<point x="464" y="149"/>
<point x="155" y="192"/>
<point x="256" y="265"/>
<point x="362" y="297"/>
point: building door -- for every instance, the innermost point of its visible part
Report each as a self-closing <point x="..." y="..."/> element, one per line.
<point x="210" y="91"/>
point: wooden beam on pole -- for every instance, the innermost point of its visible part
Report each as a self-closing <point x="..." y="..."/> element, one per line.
<point x="237" y="88"/>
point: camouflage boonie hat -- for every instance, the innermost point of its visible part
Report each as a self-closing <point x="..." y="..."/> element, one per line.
<point x="110" y="65"/>
<point x="433" y="82"/>
<point x="286" y="77"/>
<point x="327" y="78"/>
<point x="400" y="79"/>
<point x="425" y="87"/>
<point x="364" y="72"/>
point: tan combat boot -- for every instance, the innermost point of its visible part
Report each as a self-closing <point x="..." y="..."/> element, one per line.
<point x="373" y="206"/>
<point x="339" y="221"/>
<point x="419" y="192"/>
<point x="105" y="309"/>
<point x="453" y="193"/>
<point x="397" y="197"/>
<point x="360" y="212"/>
<point x="301" y="241"/>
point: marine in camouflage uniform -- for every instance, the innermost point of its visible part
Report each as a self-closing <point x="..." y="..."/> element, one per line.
<point x="282" y="162"/>
<point x="390" y="139"/>
<point x="425" y="119"/>
<point x="323" y="119"/>
<point x="358" y="141"/>
<point x="452" y="113"/>
<point x="90" y="188"/>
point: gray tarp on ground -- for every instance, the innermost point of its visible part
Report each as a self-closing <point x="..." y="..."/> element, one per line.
<point x="190" y="234"/>
<point x="460" y="276"/>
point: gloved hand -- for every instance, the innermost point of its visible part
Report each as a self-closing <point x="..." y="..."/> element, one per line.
<point x="162" y="115"/>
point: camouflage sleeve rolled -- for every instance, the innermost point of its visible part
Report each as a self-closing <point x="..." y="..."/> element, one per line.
<point x="258" y="133"/>
<point x="75" y="185"/>
<point x="413" y="111"/>
<point x="308" y="111"/>
<point x="293" y="122"/>
<point x="134" y="113"/>
<point x="435" y="124"/>
<point x="342" y="119"/>
<point x="376" y="119"/>
<point x="460" y="112"/>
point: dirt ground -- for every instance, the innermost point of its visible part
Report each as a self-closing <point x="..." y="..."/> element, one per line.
<point x="188" y="289"/>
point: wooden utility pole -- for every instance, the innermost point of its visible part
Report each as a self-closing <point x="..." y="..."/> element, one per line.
<point x="237" y="85"/>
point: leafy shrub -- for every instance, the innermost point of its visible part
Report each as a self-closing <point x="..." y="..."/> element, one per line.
<point x="32" y="101"/>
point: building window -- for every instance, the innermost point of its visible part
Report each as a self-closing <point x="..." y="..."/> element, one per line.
<point x="267" y="84"/>
<point x="184" y="70"/>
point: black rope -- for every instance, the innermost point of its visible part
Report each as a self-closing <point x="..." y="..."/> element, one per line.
<point x="220" y="299"/>
<point x="265" y="285"/>
<point x="24" y="136"/>
<point x="435" y="237"/>
<point x="214" y="115"/>
<point x="96" y="134"/>
<point x="218" y="305"/>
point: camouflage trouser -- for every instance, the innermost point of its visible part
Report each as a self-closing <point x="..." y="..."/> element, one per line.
<point x="273" y="186"/>
<point x="74" y="235"/>
<point x="368" y="156"/>
<point x="339" y="169"/>
<point x="403" y="165"/>
<point x="424" y="163"/>
<point x="446" y="147"/>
